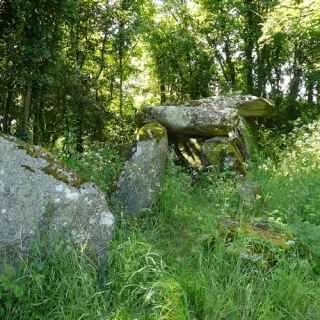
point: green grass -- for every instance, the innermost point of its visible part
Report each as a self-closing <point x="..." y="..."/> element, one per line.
<point x="171" y="263"/>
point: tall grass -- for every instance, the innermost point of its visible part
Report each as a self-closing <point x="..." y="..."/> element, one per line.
<point x="171" y="263"/>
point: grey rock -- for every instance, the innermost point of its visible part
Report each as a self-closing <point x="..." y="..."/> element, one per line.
<point x="246" y="105"/>
<point x="223" y="153"/>
<point x="249" y="192"/>
<point x="214" y="116"/>
<point x="193" y="121"/>
<point x="140" y="181"/>
<point x="38" y="196"/>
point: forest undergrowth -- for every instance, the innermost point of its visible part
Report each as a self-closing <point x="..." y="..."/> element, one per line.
<point x="171" y="263"/>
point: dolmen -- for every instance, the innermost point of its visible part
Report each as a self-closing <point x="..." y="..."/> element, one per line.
<point x="210" y="132"/>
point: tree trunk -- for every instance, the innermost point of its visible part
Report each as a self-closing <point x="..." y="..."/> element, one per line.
<point x="121" y="84"/>
<point x="310" y="88"/>
<point x="248" y="47"/>
<point x="262" y="74"/>
<point x="230" y="66"/>
<point x="121" y="53"/>
<point x="162" y="91"/>
<point x="36" y="117"/>
<point x="22" y="131"/>
<point x="249" y="67"/>
<point x="295" y="84"/>
<point x="79" y="129"/>
<point x="8" y="108"/>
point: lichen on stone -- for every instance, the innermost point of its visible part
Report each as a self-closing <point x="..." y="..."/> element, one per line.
<point x="54" y="167"/>
<point x="60" y="173"/>
<point x="28" y="168"/>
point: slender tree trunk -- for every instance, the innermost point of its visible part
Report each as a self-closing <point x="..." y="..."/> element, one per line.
<point x="79" y="128"/>
<point x="262" y="72"/>
<point x="121" y="54"/>
<point x="249" y="66"/>
<point x="222" y="66"/>
<point x="249" y="47"/>
<point x="162" y="91"/>
<point x="121" y="84"/>
<point x="230" y="66"/>
<point x="22" y="131"/>
<point x="295" y="84"/>
<point x="3" y="108"/>
<point x="310" y="89"/>
<point x="36" y="117"/>
<point x="7" y="109"/>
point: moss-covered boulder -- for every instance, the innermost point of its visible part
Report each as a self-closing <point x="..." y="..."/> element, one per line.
<point x="40" y="199"/>
<point x="140" y="182"/>
<point x="222" y="153"/>
<point x="259" y="240"/>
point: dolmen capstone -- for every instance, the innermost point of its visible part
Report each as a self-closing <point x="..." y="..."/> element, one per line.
<point x="210" y="132"/>
<point x="40" y="199"/>
<point x="213" y="131"/>
<point x="213" y="116"/>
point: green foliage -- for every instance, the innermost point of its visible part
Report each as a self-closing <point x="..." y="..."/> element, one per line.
<point x="215" y="283"/>
<point x="55" y="281"/>
<point x="99" y="165"/>
<point x="181" y="62"/>
<point x="73" y="69"/>
<point x="172" y="263"/>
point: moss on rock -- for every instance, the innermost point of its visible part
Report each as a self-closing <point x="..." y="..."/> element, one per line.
<point x="54" y="167"/>
<point x="59" y="172"/>
<point x="216" y="150"/>
<point x="152" y="130"/>
<point x="260" y="240"/>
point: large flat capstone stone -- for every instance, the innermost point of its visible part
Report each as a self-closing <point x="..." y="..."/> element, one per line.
<point x="213" y="116"/>
<point x="39" y="196"/>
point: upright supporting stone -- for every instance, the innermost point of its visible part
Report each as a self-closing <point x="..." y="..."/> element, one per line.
<point x="222" y="153"/>
<point x="141" y="179"/>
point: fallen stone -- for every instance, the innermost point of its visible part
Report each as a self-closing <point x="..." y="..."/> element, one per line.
<point x="260" y="241"/>
<point x="40" y="197"/>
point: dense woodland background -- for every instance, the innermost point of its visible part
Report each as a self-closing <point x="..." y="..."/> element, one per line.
<point x="77" y="71"/>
